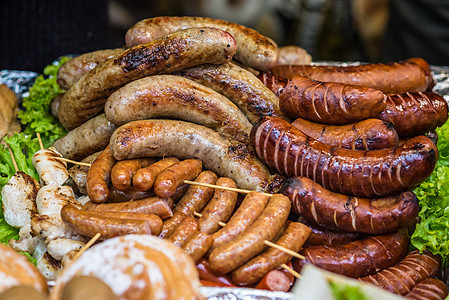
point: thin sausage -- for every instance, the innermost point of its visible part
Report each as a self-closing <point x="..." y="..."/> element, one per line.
<point x="197" y="245"/>
<point x="116" y="196"/>
<point x="183" y="231"/>
<point x="230" y="256"/>
<point x="352" y="214"/>
<point x="170" y="224"/>
<point x="276" y="281"/>
<point x="144" y="178"/>
<point x="123" y="171"/>
<point x="220" y="207"/>
<point x="172" y="177"/>
<point x="402" y="277"/>
<point x="429" y="289"/>
<point x="197" y="196"/>
<point x="99" y="175"/>
<point x="153" y="205"/>
<point x="360" y="173"/>
<point x="370" y="134"/>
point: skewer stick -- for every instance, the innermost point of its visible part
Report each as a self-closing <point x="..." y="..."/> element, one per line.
<point x="40" y="140"/>
<point x="223" y="187"/>
<point x="73" y="161"/>
<point x="291" y="271"/>
<point x="13" y="159"/>
<point x="200" y="215"/>
<point x="87" y="246"/>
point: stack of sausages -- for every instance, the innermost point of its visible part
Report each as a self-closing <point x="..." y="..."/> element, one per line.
<point x="173" y="103"/>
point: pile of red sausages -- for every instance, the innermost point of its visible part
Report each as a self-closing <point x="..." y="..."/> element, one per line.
<point x="342" y="147"/>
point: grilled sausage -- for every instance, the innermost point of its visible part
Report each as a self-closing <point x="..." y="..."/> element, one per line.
<point x="179" y="50"/>
<point x="350" y="172"/>
<point x="183" y="231"/>
<point x="415" y="113"/>
<point x="245" y="215"/>
<point x="238" y="85"/>
<point x="254" y="270"/>
<point x="253" y="49"/>
<point x="89" y="223"/>
<point x="411" y="75"/>
<point x="293" y="55"/>
<point x="329" y="102"/>
<point x="220" y="207"/>
<point x="86" y="139"/>
<point x="72" y="70"/>
<point x="276" y="281"/>
<point x="51" y="170"/>
<point x="429" y="289"/>
<point x="359" y="258"/>
<point x="273" y="83"/>
<point x="144" y="178"/>
<point x="99" y="175"/>
<point x="197" y="245"/>
<point x="123" y="171"/>
<point x="177" y="98"/>
<point x="230" y="256"/>
<point x="197" y="196"/>
<point x="352" y="214"/>
<point x="325" y="237"/>
<point x="370" y="134"/>
<point x="116" y="195"/>
<point x="170" y="224"/>
<point x="78" y="173"/>
<point x="172" y="177"/>
<point x="225" y="157"/>
<point x="153" y="205"/>
<point x="402" y="277"/>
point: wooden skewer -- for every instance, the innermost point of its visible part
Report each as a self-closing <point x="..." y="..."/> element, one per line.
<point x="87" y="246"/>
<point x="73" y="161"/>
<point x="223" y="187"/>
<point x="200" y="215"/>
<point x="291" y="271"/>
<point x="40" y="140"/>
<point x="13" y="159"/>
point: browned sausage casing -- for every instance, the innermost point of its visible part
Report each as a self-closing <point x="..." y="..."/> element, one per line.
<point x="411" y="75"/>
<point x="251" y="272"/>
<point x="183" y="231"/>
<point x="78" y="173"/>
<point x="172" y="177"/>
<point x="152" y="205"/>
<point x="226" y="157"/>
<point x="89" y="223"/>
<point x="144" y="178"/>
<point x="116" y="196"/>
<point x="359" y="258"/>
<point x="329" y="102"/>
<point x="170" y="224"/>
<point x="197" y="245"/>
<point x="402" y="277"/>
<point x="122" y="172"/>
<point x="251" y="242"/>
<point x="350" y="172"/>
<point x="275" y="280"/>
<point x="415" y="113"/>
<point x="370" y="134"/>
<point x="245" y="215"/>
<point x="352" y="214"/>
<point x="99" y="175"/>
<point x="197" y="196"/>
<point x="429" y="289"/>
<point x="179" y="50"/>
<point x="254" y="49"/>
<point x="324" y="237"/>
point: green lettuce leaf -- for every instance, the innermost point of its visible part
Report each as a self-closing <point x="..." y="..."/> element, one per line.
<point x="346" y="292"/>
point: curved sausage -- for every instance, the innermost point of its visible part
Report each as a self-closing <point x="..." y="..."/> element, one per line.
<point x="116" y="195"/>
<point x="72" y="70"/>
<point x="429" y="289"/>
<point x="359" y="258"/>
<point x="329" y="102"/>
<point x="183" y="231"/>
<point x="172" y="177"/>
<point x="238" y="85"/>
<point x="175" y="97"/>
<point x="411" y="75"/>
<point x="123" y="171"/>
<point x="273" y="83"/>
<point x="170" y="224"/>
<point x="89" y="223"/>
<point x="153" y="205"/>
<point x="324" y="237"/>
<point x="197" y="245"/>
<point x="402" y="277"/>
<point x="99" y="175"/>
<point x="253" y="49"/>
<point x="220" y="207"/>
<point x="246" y="214"/>
<point x="225" y="157"/>
<point x="254" y="270"/>
<point x="275" y="280"/>
<point x="144" y="178"/>
<point x="350" y="172"/>
<point x="197" y="196"/>
<point x="231" y="255"/>
<point x="415" y="113"/>
<point x="370" y="134"/>
<point x="179" y="50"/>
<point x="352" y="214"/>
<point x="89" y="137"/>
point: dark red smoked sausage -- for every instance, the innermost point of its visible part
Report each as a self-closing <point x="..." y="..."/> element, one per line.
<point x="359" y="258"/>
<point x="429" y="289"/>
<point x="325" y="237"/>
<point x="360" y="173"/>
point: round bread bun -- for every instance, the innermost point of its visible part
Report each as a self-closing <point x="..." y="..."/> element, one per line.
<point x="15" y="269"/>
<point x="136" y="267"/>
